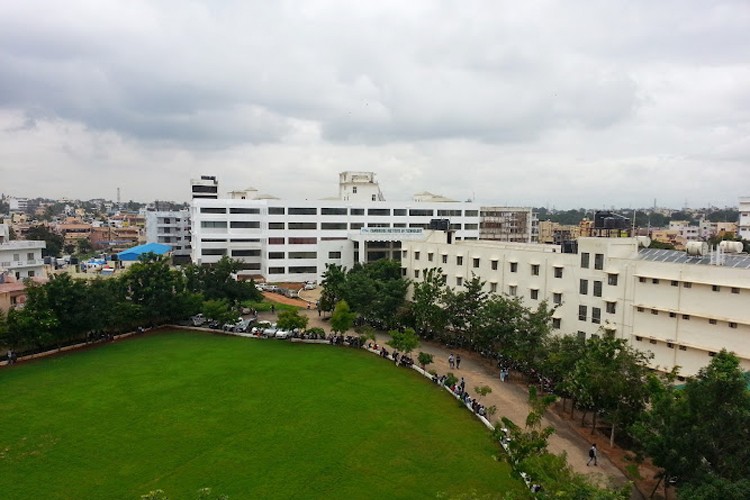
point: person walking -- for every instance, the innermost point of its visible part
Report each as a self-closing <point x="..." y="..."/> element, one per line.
<point x="593" y="452"/>
<point x="458" y="361"/>
<point x="451" y="362"/>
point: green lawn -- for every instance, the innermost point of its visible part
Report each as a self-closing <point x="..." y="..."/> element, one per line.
<point x="248" y="418"/>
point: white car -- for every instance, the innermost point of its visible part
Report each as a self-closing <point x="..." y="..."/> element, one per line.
<point x="198" y="320"/>
<point x="310" y="285"/>
<point x="282" y="334"/>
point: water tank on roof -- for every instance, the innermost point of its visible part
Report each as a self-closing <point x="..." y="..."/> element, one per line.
<point x="731" y="246"/>
<point x="697" y="248"/>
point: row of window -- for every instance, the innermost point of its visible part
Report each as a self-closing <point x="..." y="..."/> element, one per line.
<point x="685" y="284"/>
<point x="598" y="260"/>
<point x="686" y="317"/>
<point x="670" y="345"/>
<point x="380" y="212"/>
<point x="293" y="270"/>
<point x="324" y="226"/>
<point x="596" y="312"/>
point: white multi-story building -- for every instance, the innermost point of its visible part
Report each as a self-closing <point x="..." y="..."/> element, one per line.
<point x="285" y="241"/>
<point x="22" y="258"/>
<point x="170" y="228"/>
<point x="681" y="307"/>
<point x="744" y="227"/>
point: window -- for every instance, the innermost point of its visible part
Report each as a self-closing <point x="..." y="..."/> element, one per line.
<point x="244" y="210"/>
<point x="655" y="281"/>
<point x="711" y="354"/>
<point x="612" y="279"/>
<point x="585" y="260"/>
<point x="674" y="283"/>
<point x="416" y="255"/>
<point x="670" y="345"/>
<point x="459" y="261"/>
<point x="303" y="241"/>
<point x="687" y="284"/>
<point x="245" y="224"/>
<point x="471" y="213"/>
<point x="212" y="210"/>
<point x="303" y="255"/>
<point x="399" y="211"/>
<point x="493" y="265"/>
<point x="596" y="315"/>
<point x="556" y="323"/>
<point x="599" y="261"/>
<point x="534" y="294"/>
<point x="32" y="274"/>
<point x="303" y="225"/>
<point x="333" y="211"/>
<point x="379" y="211"/>
<point x="275" y="270"/>
<point x="275" y="255"/>
<point x="583" y="287"/>
<point x="302" y="269"/>
<point x="735" y="290"/>
<point x="558" y="272"/>
<point x="430" y="257"/>
<point x="611" y="307"/>
<point x="512" y="290"/>
<point x="358" y="211"/>
<point x="652" y="341"/>
<point x="535" y="269"/>
<point x="712" y="321"/>
<point x="275" y="241"/>
<point x="459" y="281"/>
<point x="208" y="224"/>
<point x="444" y="259"/>
<point x="673" y="315"/>
<point x="416" y="274"/>
<point x="354" y="189"/>
<point x="597" y="288"/>
<point x="557" y="298"/>
<point x="493" y="287"/>
<point x="686" y="317"/>
<point x="654" y="312"/>
<point x="582" y="313"/>
<point x="716" y="288"/>
<point x="514" y="267"/>
<point x="213" y="251"/>
<point x="471" y="227"/>
<point x="275" y="210"/>
<point x="356" y="225"/>
<point x="641" y="279"/>
<point x="334" y="255"/>
<point x="638" y="339"/>
<point x="421" y="212"/>
<point x="475" y="262"/>
<point x="245" y="253"/>
<point x="581" y="335"/>
<point x="683" y="348"/>
<point x="332" y="226"/>
<point x="639" y="309"/>
<point x="275" y="225"/>
<point x="731" y="323"/>
<point x="30" y="256"/>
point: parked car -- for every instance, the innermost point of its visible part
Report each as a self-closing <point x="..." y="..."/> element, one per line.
<point x="260" y="326"/>
<point x="198" y="320"/>
<point x="270" y="331"/>
<point x="310" y="285"/>
<point x="282" y="334"/>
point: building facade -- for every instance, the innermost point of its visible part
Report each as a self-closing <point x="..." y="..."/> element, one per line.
<point x="744" y="225"/>
<point x="681" y="308"/>
<point x="21" y="258"/>
<point x="170" y="228"/>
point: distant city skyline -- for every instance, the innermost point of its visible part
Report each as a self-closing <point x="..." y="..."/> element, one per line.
<point x="554" y="104"/>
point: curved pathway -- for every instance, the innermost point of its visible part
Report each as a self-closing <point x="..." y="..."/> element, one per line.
<point x="510" y="398"/>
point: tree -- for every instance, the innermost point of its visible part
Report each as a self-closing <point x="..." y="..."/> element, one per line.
<point x="292" y="320"/>
<point x="342" y="318"/>
<point x="332" y="284"/>
<point x="83" y="246"/>
<point x="405" y="341"/>
<point x="424" y="359"/>
<point x="219" y="310"/>
<point x="700" y="433"/>
<point x="429" y="317"/>
<point x="465" y="310"/>
<point x="54" y="242"/>
<point x="483" y="390"/>
<point x="217" y="281"/>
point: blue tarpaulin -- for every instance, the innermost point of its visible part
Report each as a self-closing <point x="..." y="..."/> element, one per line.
<point x="135" y="252"/>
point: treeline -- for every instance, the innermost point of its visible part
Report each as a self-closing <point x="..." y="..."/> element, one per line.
<point x="696" y="434"/>
<point x="149" y="293"/>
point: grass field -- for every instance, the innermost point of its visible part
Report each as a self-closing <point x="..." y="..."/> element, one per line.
<point x="248" y="418"/>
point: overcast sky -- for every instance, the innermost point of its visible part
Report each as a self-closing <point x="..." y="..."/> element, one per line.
<point x="552" y="103"/>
